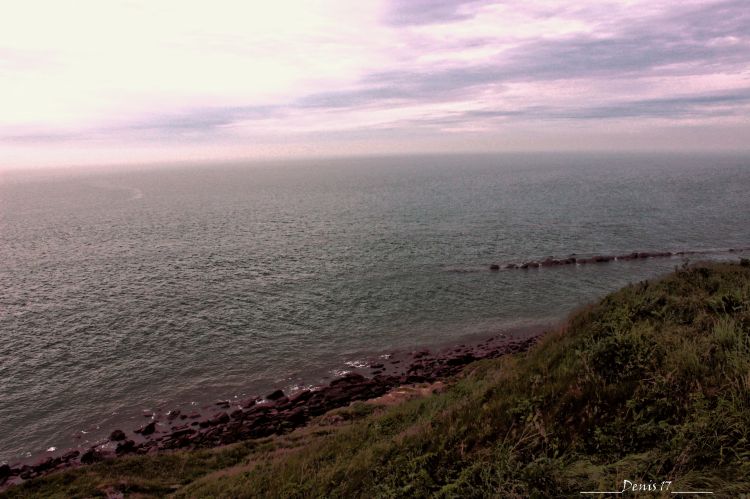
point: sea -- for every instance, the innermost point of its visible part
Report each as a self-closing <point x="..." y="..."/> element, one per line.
<point x="138" y="288"/>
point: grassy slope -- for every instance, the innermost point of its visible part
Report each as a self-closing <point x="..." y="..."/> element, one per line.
<point x="652" y="383"/>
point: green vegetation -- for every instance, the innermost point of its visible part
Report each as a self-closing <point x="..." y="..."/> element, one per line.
<point x="651" y="384"/>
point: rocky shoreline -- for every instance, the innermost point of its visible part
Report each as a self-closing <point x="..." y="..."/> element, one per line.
<point x="276" y="412"/>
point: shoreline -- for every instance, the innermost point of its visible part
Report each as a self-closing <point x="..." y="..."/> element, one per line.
<point x="227" y="422"/>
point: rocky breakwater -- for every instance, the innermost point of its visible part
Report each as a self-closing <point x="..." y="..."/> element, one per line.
<point x="574" y="259"/>
<point x="277" y="412"/>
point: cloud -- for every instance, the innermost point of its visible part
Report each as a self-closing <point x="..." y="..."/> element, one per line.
<point x="410" y="68"/>
<point x="417" y="12"/>
<point x="678" y="107"/>
<point x="203" y="119"/>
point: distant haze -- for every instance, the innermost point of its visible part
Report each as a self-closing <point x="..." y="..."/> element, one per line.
<point x="92" y="82"/>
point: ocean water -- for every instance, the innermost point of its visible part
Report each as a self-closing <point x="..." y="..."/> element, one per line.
<point x="131" y="289"/>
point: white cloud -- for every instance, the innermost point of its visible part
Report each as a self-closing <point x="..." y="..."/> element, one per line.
<point x="98" y="80"/>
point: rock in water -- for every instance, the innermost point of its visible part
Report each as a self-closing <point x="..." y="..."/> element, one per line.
<point x="117" y="435"/>
<point x="275" y="395"/>
<point x="147" y="429"/>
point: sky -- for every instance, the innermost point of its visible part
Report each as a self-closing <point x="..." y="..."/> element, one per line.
<point x="104" y="81"/>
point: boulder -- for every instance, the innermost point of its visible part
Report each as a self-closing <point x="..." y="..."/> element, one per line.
<point x="220" y="418"/>
<point x="280" y="403"/>
<point x="181" y="433"/>
<point x="70" y="455"/>
<point x="350" y="378"/>
<point x="275" y="395"/>
<point x="117" y="435"/>
<point x="295" y="416"/>
<point x="91" y="456"/>
<point x="147" y="429"/>
<point x="125" y="447"/>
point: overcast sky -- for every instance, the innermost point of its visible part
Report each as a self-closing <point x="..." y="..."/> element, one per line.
<point x="105" y="81"/>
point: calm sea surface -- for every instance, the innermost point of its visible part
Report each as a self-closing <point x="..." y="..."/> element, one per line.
<point x="130" y="290"/>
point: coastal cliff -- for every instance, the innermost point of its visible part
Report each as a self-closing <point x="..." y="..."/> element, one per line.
<point x="648" y="387"/>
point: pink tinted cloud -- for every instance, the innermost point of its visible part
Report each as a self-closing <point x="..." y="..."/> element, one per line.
<point x="408" y="76"/>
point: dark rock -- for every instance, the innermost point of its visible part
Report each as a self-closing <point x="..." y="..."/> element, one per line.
<point x="223" y="404"/>
<point x="462" y="360"/>
<point x="260" y="409"/>
<point x="147" y="429"/>
<point x="275" y="395"/>
<point x="278" y="403"/>
<point x="181" y="433"/>
<point x="173" y="414"/>
<point x="237" y="414"/>
<point x="125" y="447"/>
<point x="46" y="464"/>
<point x="494" y="266"/>
<point x="91" y="456"/>
<point x="348" y="379"/>
<point x="301" y="397"/>
<point x="70" y="455"/>
<point x="386" y="380"/>
<point x="27" y="474"/>
<point x="220" y="418"/>
<point x="296" y="416"/>
<point x="117" y="435"/>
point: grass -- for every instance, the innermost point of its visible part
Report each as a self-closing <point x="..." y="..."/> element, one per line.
<point x="650" y="384"/>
